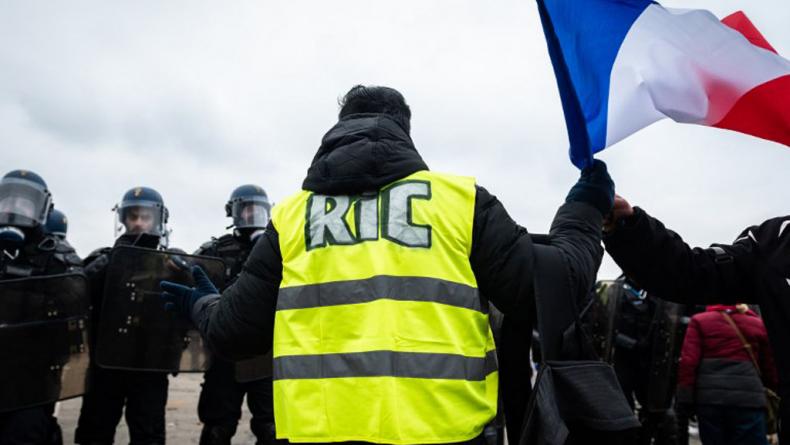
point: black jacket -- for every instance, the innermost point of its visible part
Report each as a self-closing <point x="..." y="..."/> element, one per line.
<point x="754" y="269"/>
<point x="365" y="152"/>
<point x="41" y="255"/>
<point x="232" y="250"/>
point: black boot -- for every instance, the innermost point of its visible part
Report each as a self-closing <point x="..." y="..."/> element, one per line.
<point x="216" y="435"/>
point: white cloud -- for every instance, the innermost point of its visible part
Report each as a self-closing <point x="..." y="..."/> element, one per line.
<point x="194" y="99"/>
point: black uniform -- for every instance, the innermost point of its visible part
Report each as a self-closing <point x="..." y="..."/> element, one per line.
<point x="222" y="396"/>
<point x="41" y="255"/>
<point x="636" y="344"/>
<point x="143" y="392"/>
<point x="754" y="269"/>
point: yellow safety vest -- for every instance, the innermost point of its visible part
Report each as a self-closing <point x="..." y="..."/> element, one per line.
<point x="380" y="333"/>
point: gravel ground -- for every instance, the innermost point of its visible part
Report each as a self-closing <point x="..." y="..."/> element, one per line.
<point x="183" y="426"/>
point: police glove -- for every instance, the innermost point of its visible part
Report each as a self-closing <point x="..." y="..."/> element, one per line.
<point x="595" y="187"/>
<point x="180" y="299"/>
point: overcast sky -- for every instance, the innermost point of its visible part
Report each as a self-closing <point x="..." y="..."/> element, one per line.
<point x="195" y="98"/>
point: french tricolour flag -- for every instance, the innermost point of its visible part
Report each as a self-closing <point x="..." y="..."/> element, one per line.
<point x="624" y="64"/>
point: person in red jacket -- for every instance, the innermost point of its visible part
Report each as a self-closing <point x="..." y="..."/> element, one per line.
<point x="717" y="375"/>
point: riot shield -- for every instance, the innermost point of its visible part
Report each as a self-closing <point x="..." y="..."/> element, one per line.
<point x="600" y="316"/>
<point x="253" y="369"/>
<point x="44" y="339"/>
<point x="666" y="338"/>
<point x="135" y="331"/>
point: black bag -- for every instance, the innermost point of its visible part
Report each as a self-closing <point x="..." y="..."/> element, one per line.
<point x="577" y="398"/>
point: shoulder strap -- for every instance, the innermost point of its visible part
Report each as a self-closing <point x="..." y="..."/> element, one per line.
<point x="746" y="344"/>
<point x="207" y="247"/>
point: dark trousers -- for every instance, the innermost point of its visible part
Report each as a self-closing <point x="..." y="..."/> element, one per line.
<point x="30" y="426"/>
<point x="724" y="425"/>
<point x="660" y="428"/>
<point x="784" y="419"/>
<point x="220" y="405"/>
<point x="143" y="393"/>
<point x="683" y="426"/>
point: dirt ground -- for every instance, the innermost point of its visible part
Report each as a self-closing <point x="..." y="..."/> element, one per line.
<point x="183" y="426"/>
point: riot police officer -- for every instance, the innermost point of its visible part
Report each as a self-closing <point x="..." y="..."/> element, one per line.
<point x="141" y="222"/>
<point x="226" y="382"/>
<point x="648" y="341"/>
<point x="57" y="224"/>
<point x="27" y="253"/>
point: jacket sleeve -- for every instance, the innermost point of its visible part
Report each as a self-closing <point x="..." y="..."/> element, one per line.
<point x="576" y="232"/>
<point x="659" y="261"/>
<point x="502" y="255"/>
<point x="239" y="323"/>
<point x="690" y="357"/>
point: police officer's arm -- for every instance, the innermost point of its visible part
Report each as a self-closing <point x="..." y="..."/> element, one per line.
<point x="659" y="261"/>
<point x="238" y="324"/>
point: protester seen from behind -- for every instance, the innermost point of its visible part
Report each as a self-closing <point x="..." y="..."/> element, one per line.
<point x="725" y="362"/>
<point x="369" y="283"/>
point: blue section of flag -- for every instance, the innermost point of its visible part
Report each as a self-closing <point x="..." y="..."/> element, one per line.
<point x="583" y="37"/>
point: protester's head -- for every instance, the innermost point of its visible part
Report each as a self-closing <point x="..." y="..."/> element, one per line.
<point x="377" y="99"/>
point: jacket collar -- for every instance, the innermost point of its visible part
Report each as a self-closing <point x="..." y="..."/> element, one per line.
<point x="362" y="152"/>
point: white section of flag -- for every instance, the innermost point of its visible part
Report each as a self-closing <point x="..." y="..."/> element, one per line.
<point x="685" y="65"/>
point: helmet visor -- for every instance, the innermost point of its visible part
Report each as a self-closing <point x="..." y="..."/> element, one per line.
<point x="138" y="217"/>
<point x="252" y="212"/>
<point x="22" y="203"/>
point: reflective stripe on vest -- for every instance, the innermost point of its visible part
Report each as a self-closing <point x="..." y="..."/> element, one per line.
<point x="380" y="332"/>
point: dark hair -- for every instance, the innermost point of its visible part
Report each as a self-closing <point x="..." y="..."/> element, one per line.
<point x="376" y="99"/>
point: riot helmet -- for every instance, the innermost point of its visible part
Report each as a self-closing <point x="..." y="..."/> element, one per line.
<point x="632" y="291"/>
<point x="57" y="224"/>
<point x="24" y="199"/>
<point x="249" y="207"/>
<point x="141" y="212"/>
<point x="25" y="202"/>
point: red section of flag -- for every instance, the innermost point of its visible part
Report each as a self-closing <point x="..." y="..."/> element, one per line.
<point x="739" y="22"/>
<point x="763" y="112"/>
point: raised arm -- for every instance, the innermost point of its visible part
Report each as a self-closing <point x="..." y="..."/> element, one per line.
<point x="662" y="263"/>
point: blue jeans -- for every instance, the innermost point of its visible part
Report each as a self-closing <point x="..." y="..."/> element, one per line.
<point x="724" y="425"/>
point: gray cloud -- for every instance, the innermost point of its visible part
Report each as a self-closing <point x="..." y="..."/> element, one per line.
<point x="194" y="99"/>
